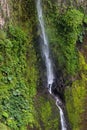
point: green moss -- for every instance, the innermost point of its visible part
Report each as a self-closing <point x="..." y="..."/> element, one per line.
<point x="48" y="119"/>
<point x="85" y="19"/>
<point x="2" y="34"/>
<point x="75" y="96"/>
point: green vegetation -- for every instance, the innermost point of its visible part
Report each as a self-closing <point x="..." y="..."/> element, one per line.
<point x="85" y="19"/>
<point x="75" y="95"/>
<point x="65" y="29"/>
<point x="3" y="127"/>
<point x="19" y="76"/>
<point x="69" y="27"/>
<point x="18" y="79"/>
<point x="64" y="33"/>
<point x="48" y="119"/>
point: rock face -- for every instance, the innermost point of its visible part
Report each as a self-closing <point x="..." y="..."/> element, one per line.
<point x="4" y="12"/>
<point x="73" y="1"/>
<point x="77" y="3"/>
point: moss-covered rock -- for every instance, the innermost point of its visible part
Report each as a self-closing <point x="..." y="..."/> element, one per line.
<point x="75" y="96"/>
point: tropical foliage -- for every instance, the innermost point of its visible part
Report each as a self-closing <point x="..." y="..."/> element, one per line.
<point x="18" y="78"/>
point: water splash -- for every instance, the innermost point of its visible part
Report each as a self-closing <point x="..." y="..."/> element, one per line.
<point x="48" y="63"/>
<point x="62" y="118"/>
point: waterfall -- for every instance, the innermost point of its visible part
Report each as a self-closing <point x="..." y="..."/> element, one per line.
<point x="45" y="47"/>
<point x="48" y="63"/>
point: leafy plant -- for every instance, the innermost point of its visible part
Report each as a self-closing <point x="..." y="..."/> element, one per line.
<point x="16" y="92"/>
<point x="64" y="33"/>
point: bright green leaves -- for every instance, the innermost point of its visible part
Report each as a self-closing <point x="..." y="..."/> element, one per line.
<point x="2" y="35"/>
<point x="76" y="95"/>
<point x="82" y="64"/>
<point x="47" y="118"/>
<point x="16" y="92"/>
<point x="17" y="34"/>
<point x="72" y="18"/>
<point x="5" y="114"/>
<point x="46" y="112"/>
<point x="85" y="19"/>
<point x="64" y="32"/>
<point x="69" y="28"/>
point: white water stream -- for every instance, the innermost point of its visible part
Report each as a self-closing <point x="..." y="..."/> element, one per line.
<point x="48" y="62"/>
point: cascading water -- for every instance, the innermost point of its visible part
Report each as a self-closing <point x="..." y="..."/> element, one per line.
<point x="45" y="47"/>
<point x="48" y="63"/>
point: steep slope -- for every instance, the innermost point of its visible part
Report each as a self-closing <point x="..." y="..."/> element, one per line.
<point x="24" y="100"/>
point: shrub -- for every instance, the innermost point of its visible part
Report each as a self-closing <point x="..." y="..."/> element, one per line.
<point x="64" y="33"/>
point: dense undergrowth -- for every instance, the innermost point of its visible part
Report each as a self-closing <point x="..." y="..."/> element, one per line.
<point x="19" y="81"/>
<point x="47" y="118"/>
<point x="19" y="74"/>
<point x="18" y="78"/>
<point x="75" y="95"/>
<point x="64" y="29"/>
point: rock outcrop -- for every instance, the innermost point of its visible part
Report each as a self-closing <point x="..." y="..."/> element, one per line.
<point x="4" y="12"/>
